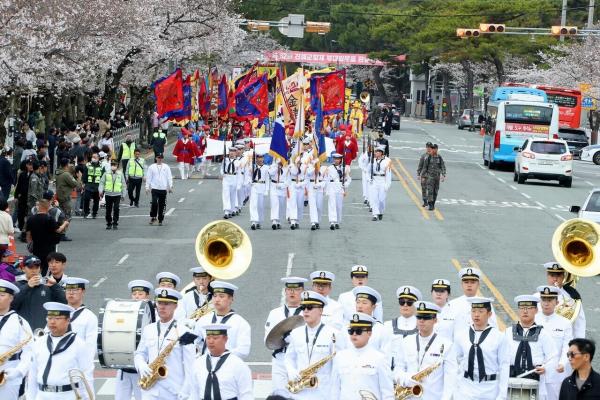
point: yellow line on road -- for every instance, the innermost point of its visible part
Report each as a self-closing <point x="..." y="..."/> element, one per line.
<point x="496" y="293"/>
<point x="437" y="214"/>
<point x="410" y="193"/>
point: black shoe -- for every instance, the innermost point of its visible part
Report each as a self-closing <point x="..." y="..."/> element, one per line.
<point x="65" y="238"/>
<point x="297" y="226"/>
<point x="374" y="219"/>
<point x="159" y="223"/>
<point x="108" y="227"/>
<point x="365" y="202"/>
<point x="431" y="207"/>
<point x="337" y="226"/>
<point x="93" y="216"/>
<point x="380" y="216"/>
<point x="305" y="203"/>
<point x="115" y="227"/>
<point x="313" y="227"/>
<point x="274" y="226"/>
<point x="278" y="226"/>
<point x="318" y="226"/>
<point x="86" y="215"/>
<point x="293" y="226"/>
<point x="253" y="227"/>
<point x="332" y="227"/>
<point x="226" y="216"/>
<point x="258" y="226"/>
<point x="424" y="203"/>
<point x="152" y="221"/>
<point x="137" y="205"/>
<point x="370" y="209"/>
<point x="131" y="203"/>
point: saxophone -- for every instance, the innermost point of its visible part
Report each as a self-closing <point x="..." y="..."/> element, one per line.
<point x="308" y="376"/>
<point x="158" y="367"/>
<point x="404" y="392"/>
<point x="8" y="354"/>
<point x="201" y="311"/>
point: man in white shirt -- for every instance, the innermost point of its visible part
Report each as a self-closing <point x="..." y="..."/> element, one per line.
<point x="83" y="321"/>
<point x="470" y="281"/>
<point x="440" y="294"/>
<point x="160" y="181"/>
<point x="333" y="313"/>
<point x="360" y="277"/>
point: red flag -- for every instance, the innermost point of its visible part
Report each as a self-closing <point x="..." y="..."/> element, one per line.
<point x="252" y="100"/>
<point x="332" y="88"/>
<point x="223" y="100"/>
<point x="202" y="96"/>
<point x="168" y="92"/>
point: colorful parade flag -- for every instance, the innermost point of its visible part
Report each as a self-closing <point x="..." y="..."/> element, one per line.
<point x="168" y="92"/>
<point x="223" y="101"/>
<point x="195" y="85"/>
<point x="279" y="144"/>
<point x="184" y="115"/>
<point x="203" y="98"/>
<point x="332" y="87"/>
<point x="290" y="91"/>
<point x="252" y="100"/>
<point x="319" y="131"/>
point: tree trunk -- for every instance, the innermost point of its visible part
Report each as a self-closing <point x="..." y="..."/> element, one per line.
<point x="113" y="80"/>
<point x="470" y="83"/>
<point x="379" y="83"/>
<point x="499" y="69"/>
<point x="446" y="96"/>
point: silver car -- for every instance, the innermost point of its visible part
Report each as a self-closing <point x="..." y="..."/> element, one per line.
<point x="464" y="121"/>
<point x="591" y="207"/>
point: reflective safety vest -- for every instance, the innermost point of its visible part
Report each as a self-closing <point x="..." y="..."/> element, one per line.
<point x="160" y="135"/>
<point x="127" y="151"/>
<point x="94" y="173"/>
<point x="115" y="186"/>
<point x="135" y="169"/>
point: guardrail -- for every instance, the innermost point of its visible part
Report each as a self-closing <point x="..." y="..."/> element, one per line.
<point x="119" y="135"/>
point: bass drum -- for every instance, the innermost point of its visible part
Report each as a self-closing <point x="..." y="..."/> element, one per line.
<point x="522" y="389"/>
<point x="120" y="324"/>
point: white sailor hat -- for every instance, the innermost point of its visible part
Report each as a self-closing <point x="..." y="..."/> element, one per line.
<point x="361" y="320"/>
<point x="199" y="271"/>
<point x="259" y="153"/>
<point x="469" y="273"/>
<point x="322" y="277"/>
<point x="168" y="277"/>
<point x="71" y="282"/>
<point x="409" y="292"/>
<point x="366" y="292"/>
<point x="336" y="155"/>
<point x="548" y="291"/>
<point x="239" y="142"/>
<point x="232" y="148"/>
<point x="306" y="140"/>
<point x="380" y="148"/>
<point x="294" y="282"/>
<point x="310" y="298"/>
<point x="240" y="146"/>
<point x="102" y="154"/>
<point x="166" y="295"/>
<point x="359" y="270"/>
<point x="55" y="309"/>
<point x="440" y="284"/>
<point x="7" y="287"/>
<point x="427" y="309"/>
<point x="553" y="266"/>
<point x="247" y="140"/>
<point x="480" y="302"/>
<point x="215" y="329"/>
<point x="140" y="285"/>
<point x="526" y="300"/>
<point x="223" y="287"/>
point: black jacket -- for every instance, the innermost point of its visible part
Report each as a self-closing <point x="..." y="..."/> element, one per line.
<point x="590" y="389"/>
<point x="29" y="302"/>
<point x="6" y="172"/>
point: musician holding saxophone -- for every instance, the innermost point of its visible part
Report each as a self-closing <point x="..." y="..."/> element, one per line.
<point x="160" y="358"/>
<point x="199" y="295"/>
<point x="15" y="344"/>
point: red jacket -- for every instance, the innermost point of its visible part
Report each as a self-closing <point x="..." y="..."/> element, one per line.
<point x="348" y="150"/>
<point x="186" y="152"/>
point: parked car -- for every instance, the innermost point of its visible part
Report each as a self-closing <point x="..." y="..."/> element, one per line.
<point x="395" y="117"/>
<point x="575" y="138"/>
<point x="544" y="159"/>
<point x="591" y="153"/>
<point x="591" y="207"/>
<point x="464" y="121"/>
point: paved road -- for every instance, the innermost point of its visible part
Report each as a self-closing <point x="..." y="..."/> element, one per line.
<point x="484" y="219"/>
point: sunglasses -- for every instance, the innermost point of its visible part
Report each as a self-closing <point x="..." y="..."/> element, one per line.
<point x="356" y="331"/>
<point x="572" y="354"/>
<point x="424" y="317"/>
<point x="406" y="302"/>
<point x="309" y="307"/>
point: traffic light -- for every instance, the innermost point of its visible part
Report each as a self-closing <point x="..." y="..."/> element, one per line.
<point x="492" y="28"/>
<point x="467" y="33"/>
<point x="558" y="30"/>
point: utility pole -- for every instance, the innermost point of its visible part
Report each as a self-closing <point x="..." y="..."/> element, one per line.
<point x="591" y="9"/>
<point x="563" y="18"/>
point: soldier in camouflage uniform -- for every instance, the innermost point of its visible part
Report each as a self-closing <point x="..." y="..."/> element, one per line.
<point x="420" y="172"/>
<point x="36" y="187"/>
<point x="434" y="169"/>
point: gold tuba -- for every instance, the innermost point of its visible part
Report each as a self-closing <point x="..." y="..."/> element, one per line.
<point x="308" y="376"/>
<point x="365" y="97"/>
<point x="11" y="352"/>
<point x="76" y="376"/>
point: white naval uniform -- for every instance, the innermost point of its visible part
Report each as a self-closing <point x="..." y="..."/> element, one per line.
<point x="151" y="344"/>
<point x="316" y="191"/>
<point x="230" y="172"/>
<point x="561" y="331"/>
<point x="355" y="370"/>
<point x="305" y="349"/>
<point x="14" y="329"/>
<point x="247" y="155"/>
<point x="279" y="377"/>
<point x="234" y="376"/>
<point x="580" y="323"/>
<point x="126" y="383"/>
<point x="348" y="302"/>
<point x="496" y="360"/>
<point x="74" y="356"/>
<point x="191" y="301"/>
<point x="365" y="167"/>
<point x="461" y="309"/>
<point x="259" y="189"/>
<point x="445" y="322"/>
<point x="335" y="191"/>
<point x="242" y="165"/>
<point x="543" y="352"/>
<point x="382" y="180"/>
<point x="422" y="352"/>
<point x="380" y="340"/>
<point x="333" y="314"/>
<point x="296" y="189"/>
<point x="238" y="334"/>
<point x="278" y="191"/>
<point x="398" y="330"/>
<point x="85" y="324"/>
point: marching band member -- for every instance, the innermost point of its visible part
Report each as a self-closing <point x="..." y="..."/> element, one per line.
<point x="278" y="192"/>
<point x="333" y="313"/>
<point x="360" y="277"/>
<point x="381" y="182"/>
<point x="241" y="178"/>
<point x="483" y="354"/>
<point x="366" y="302"/>
<point x="530" y="345"/>
<point x="315" y="185"/>
<point x="406" y="323"/>
<point x="219" y="374"/>
<point x="14" y="332"/>
<point x="126" y="382"/>
<point x="258" y="180"/>
<point x="561" y="331"/>
<point x="294" y="287"/>
<point x="440" y="293"/>
<point x="239" y="333"/>
<point x="170" y="281"/>
<point x="83" y="321"/>
<point x="338" y="180"/>
<point x="247" y="153"/>
<point x="312" y="343"/>
<point x="55" y="355"/>
<point x="155" y="338"/>
<point x="428" y="351"/>
<point x="470" y="283"/>
<point x="557" y="276"/>
<point x="361" y="369"/>
<point x="297" y="184"/>
<point x="229" y="175"/>
<point x="195" y="298"/>
<point x="364" y="163"/>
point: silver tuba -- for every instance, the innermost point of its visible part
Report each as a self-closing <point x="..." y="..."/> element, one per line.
<point x="75" y="377"/>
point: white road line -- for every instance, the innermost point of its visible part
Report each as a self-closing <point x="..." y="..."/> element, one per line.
<point x="513" y="187"/>
<point x="525" y="195"/>
<point x="288" y="272"/>
<point x="479" y="165"/>
<point x="540" y="204"/>
<point x="501" y="180"/>
<point x="559" y="217"/>
<point x="191" y="190"/>
<point x="181" y="200"/>
<point x="200" y="183"/>
<point x="590" y="183"/>
<point x="122" y="260"/>
<point x="99" y="282"/>
<point x="170" y="211"/>
<point x="491" y="173"/>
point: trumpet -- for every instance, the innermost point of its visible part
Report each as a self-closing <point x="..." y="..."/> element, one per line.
<point x="76" y="376"/>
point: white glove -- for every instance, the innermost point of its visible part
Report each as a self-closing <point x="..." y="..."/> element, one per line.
<point x="144" y="370"/>
<point x="13" y="373"/>
<point x="403" y="379"/>
<point x="299" y="185"/>
<point x="346" y="184"/>
<point x="293" y="375"/>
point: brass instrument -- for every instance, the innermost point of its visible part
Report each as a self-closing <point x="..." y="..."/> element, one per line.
<point x="76" y="375"/>
<point x="404" y="392"/>
<point x="276" y="338"/>
<point x="308" y="376"/>
<point x="365" y="97"/>
<point x="39" y="332"/>
<point x="158" y="367"/>
<point x="201" y="311"/>
<point x="366" y="395"/>
<point x="11" y="352"/>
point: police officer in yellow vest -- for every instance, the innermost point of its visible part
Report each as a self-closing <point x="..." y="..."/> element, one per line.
<point x="113" y="186"/>
<point x="93" y="172"/>
<point x="159" y="140"/>
<point x="134" y="174"/>
<point x="126" y="151"/>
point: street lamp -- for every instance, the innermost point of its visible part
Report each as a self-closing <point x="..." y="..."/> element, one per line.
<point x="291" y="26"/>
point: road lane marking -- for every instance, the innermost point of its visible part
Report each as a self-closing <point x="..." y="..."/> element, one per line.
<point x="590" y="183"/>
<point x="122" y="260"/>
<point x="540" y="204"/>
<point x="437" y="214"/>
<point x="181" y="200"/>
<point x="200" y="183"/>
<point x="479" y="165"/>
<point x="409" y="192"/>
<point x="491" y="173"/>
<point x="288" y="273"/>
<point x="559" y="217"/>
<point x="170" y="211"/>
<point x="496" y="293"/>
<point x="513" y="187"/>
<point x="99" y="281"/>
<point x="501" y="180"/>
<point x="525" y="195"/>
<point x="191" y="190"/>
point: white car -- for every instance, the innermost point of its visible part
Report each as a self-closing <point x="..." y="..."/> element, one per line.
<point x="591" y="207"/>
<point x="591" y="153"/>
<point x="544" y="159"/>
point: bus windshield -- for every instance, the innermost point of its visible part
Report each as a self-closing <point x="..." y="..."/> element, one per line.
<point x="528" y="114"/>
<point x="562" y="100"/>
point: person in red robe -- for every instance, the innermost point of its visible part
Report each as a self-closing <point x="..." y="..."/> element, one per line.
<point x="347" y="145"/>
<point x="185" y="150"/>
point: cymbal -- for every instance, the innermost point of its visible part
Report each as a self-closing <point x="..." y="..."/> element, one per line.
<point x="275" y="339"/>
